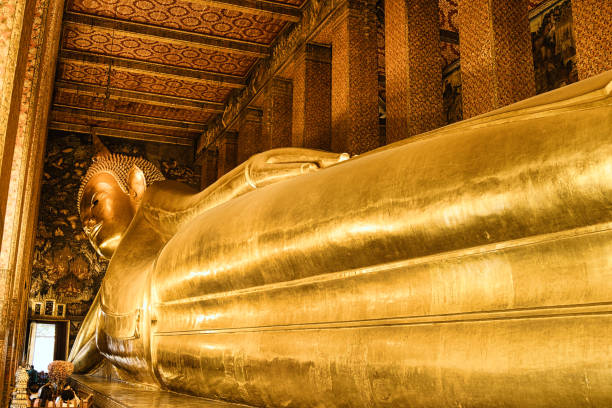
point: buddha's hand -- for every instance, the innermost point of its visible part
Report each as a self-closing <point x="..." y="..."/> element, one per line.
<point x="277" y="164"/>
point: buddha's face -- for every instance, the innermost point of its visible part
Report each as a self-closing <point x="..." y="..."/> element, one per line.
<point x="106" y="213"/>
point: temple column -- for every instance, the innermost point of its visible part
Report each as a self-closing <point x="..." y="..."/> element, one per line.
<point x="355" y="79"/>
<point x="228" y="153"/>
<point x="209" y="169"/>
<point x="311" y="111"/>
<point x="496" y="59"/>
<point x="591" y="21"/>
<point x="16" y="21"/>
<point x="249" y="135"/>
<point x="277" y="112"/>
<point x="413" y="67"/>
<point x="26" y="169"/>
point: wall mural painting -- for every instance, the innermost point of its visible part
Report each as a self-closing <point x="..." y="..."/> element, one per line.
<point x="451" y="95"/>
<point x="65" y="268"/>
<point x="554" y="50"/>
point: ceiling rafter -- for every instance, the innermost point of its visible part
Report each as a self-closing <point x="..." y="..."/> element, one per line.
<point x="121" y="134"/>
<point x="227" y="81"/>
<point x="258" y="7"/>
<point x="185" y="37"/>
<point x="448" y="36"/>
<point x="147" y="120"/>
<point x="139" y="97"/>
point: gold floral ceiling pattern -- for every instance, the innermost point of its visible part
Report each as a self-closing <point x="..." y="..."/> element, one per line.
<point x="141" y="82"/>
<point x="131" y="46"/>
<point x="184" y="15"/>
<point x="69" y="98"/>
<point x="84" y="119"/>
<point x="133" y="65"/>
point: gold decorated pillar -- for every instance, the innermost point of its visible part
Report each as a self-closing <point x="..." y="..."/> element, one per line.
<point x="277" y="112"/>
<point x="209" y="169"/>
<point x="496" y="59"/>
<point x="228" y="153"/>
<point x="24" y="181"/>
<point x="249" y="135"/>
<point x="16" y="20"/>
<point x="593" y="36"/>
<point x="355" y="79"/>
<point x="413" y="68"/>
<point x="311" y="113"/>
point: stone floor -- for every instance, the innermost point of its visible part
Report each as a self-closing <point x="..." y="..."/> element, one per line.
<point x="115" y="394"/>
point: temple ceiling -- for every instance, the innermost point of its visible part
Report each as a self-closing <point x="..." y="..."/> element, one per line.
<point x="161" y="70"/>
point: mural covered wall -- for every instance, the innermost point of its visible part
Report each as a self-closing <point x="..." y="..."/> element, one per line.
<point x="452" y="101"/>
<point x="65" y="266"/>
<point x="553" y="46"/>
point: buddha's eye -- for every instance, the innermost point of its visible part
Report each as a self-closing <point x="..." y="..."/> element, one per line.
<point x="95" y="202"/>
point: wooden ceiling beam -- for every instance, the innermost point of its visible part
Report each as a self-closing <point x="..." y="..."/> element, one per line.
<point x="130" y="118"/>
<point x="448" y="36"/>
<point x="139" y="97"/>
<point x="161" y="33"/>
<point x="152" y="68"/>
<point x="257" y="7"/>
<point x="121" y="134"/>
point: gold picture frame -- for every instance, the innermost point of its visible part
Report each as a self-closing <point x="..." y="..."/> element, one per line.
<point x="60" y="309"/>
<point x="49" y="307"/>
<point x="37" y="308"/>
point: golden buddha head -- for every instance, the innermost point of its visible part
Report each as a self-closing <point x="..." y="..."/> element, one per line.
<point x="109" y="196"/>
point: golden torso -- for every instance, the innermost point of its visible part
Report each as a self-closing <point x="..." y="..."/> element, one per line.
<point x="441" y="271"/>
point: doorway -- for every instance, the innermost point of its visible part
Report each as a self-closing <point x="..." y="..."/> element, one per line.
<point x="47" y="342"/>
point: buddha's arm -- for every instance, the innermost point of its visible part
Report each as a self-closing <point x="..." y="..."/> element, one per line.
<point x="268" y="168"/>
<point x="168" y="205"/>
<point x="84" y="353"/>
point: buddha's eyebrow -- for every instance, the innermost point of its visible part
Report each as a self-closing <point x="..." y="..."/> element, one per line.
<point x="93" y="197"/>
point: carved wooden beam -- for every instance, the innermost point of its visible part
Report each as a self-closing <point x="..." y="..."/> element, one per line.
<point x="121" y="134"/>
<point x="449" y="37"/>
<point x="153" y="68"/>
<point x="258" y="7"/>
<point x="137" y="119"/>
<point x="188" y="38"/>
<point x="140" y="97"/>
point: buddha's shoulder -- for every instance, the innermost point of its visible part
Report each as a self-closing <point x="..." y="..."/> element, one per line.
<point x="161" y="189"/>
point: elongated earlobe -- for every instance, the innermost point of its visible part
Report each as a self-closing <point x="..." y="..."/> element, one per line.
<point x="137" y="183"/>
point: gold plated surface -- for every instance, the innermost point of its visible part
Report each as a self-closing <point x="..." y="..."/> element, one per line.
<point x="116" y="394"/>
<point x="469" y="266"/>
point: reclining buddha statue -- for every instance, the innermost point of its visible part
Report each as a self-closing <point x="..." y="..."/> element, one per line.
<point x="469" y="266"/>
